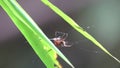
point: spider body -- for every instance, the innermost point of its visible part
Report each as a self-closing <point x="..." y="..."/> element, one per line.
<point x="59" y="39"/>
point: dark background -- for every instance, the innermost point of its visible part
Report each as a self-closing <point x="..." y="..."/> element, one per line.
<point x="100" y="18"/>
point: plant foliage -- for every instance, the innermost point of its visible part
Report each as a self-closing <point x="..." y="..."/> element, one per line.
<point x="42" y="46"/>
<point x="73" y="24"/>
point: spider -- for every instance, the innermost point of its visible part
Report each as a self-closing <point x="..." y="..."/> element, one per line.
<point x="59" y="39"/>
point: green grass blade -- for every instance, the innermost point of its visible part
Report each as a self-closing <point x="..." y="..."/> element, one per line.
<point x="42" y="46"/>
<point x="77" y="27"/>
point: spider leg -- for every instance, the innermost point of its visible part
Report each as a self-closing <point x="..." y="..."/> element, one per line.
<point x="56" y="33"/>
<point x="65" y="45"/>
<point x="60" y="34"/>
<point x="66" y="35"/>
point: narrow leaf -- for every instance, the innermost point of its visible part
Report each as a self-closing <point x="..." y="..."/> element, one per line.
<point x="42" y="46"/>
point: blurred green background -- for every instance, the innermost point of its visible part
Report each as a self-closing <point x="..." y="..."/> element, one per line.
<point x="101" y="18"/>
